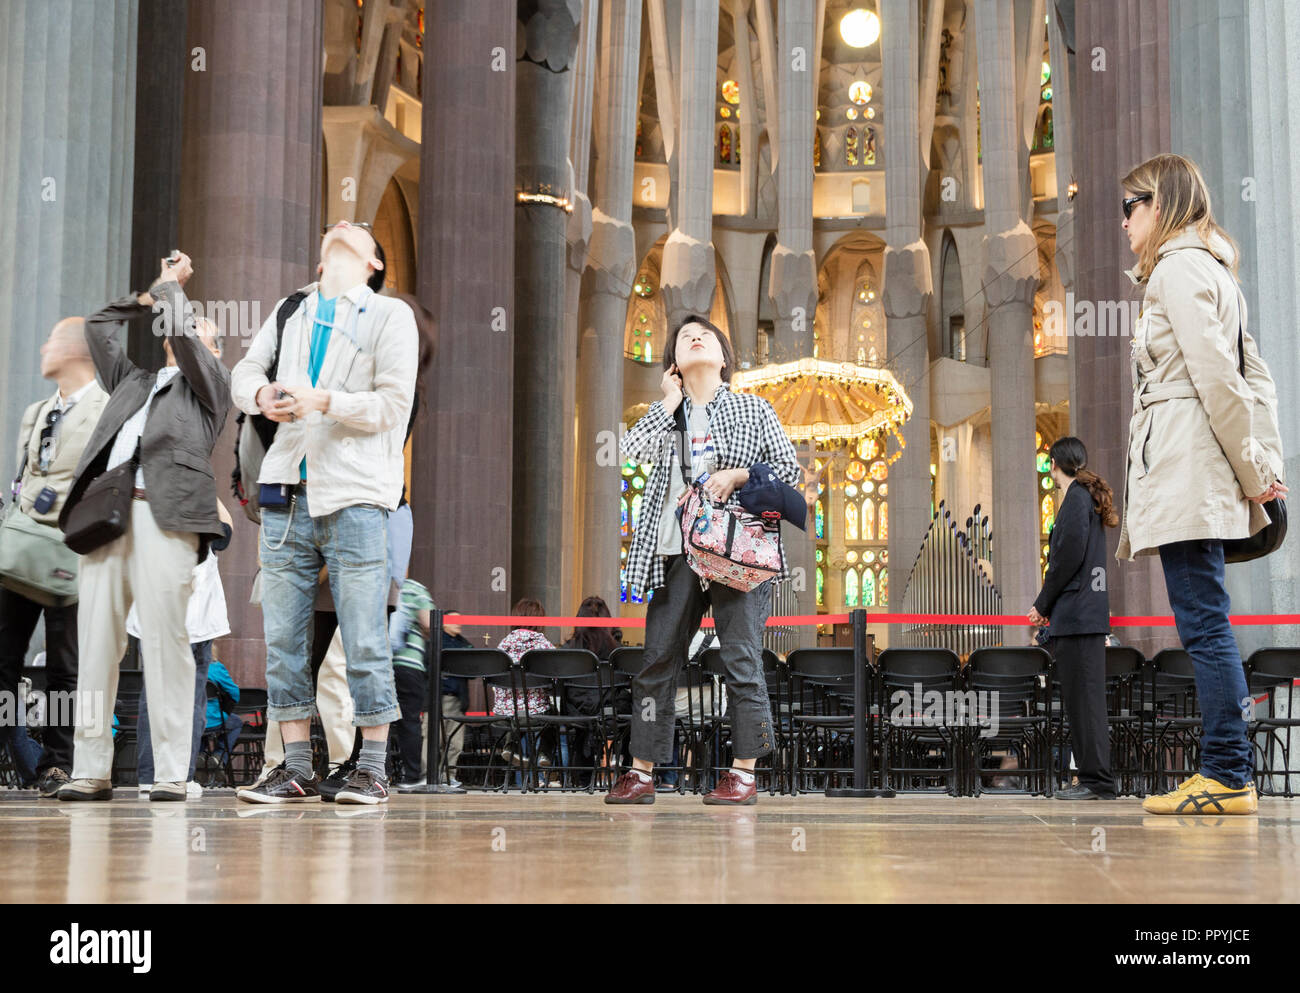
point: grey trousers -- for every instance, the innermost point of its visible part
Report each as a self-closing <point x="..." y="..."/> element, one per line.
<point x="672" y="618"/>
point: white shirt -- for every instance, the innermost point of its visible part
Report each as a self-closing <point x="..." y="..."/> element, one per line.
<point x="205" y="615"/>
<point x="702" y="459"/>
<point x="125" y="442"/>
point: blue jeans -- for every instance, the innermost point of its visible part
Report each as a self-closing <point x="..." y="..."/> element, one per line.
<point x="202" y="652"/>
<point x="353" y="543"/>
<point x="1194" y="581"/>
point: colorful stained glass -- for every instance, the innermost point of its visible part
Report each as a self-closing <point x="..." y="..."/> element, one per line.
<point x="731" y="91"/>
<point x="817" y="151"/>
<point x="851" y="113"/>
<point x="625" y="531"/>
<point x="638" y="482"/>
<point x="879" y="470"/>
<point x="821" y="555"/>
<point x="869" y="557"/>
<point x="883" y="533"/>
<point x="850" y="522"/>
<point x="820" y="520"/>
<point x="1044" y="462"/>
<point x="868" y="448"/>
<point x="821" y="587"/>
<point x="851" y="146"/>
<point x="851" y="557"/>
<point x="868" y="588"/>
<point x="724" y="144"/>
<point x="860" y="92"/>
<point x="850" y="587"/>
<point x="883" y="489"/>
<point x="868" y="520"/>
<point x="1048" y="512"/>
<point x="856" y="471"/>
<point x="850" y="490"/>
<point x="884" y="587"/>
<point x="636" y="510"/>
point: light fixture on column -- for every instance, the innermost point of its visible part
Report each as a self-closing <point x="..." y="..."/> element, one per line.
<point x="860" y="28"/>
<point x="1072" y="190"/>
<point x="545" y="195"/>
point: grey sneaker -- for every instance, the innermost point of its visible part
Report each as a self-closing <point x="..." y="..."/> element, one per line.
<point x="86" y="789"/>
<point x="168" y="791"/>
<point x="51" y="781"/>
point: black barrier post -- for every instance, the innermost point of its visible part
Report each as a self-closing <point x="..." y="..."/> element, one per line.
<point x="861" y="744"/>
<point x="433" y="707"/>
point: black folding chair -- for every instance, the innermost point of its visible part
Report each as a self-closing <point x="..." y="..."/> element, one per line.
<point x="559" y="667"/>
<point x="821" y="718"/>
<point x="126" y="763"/>
<point x="1125" y="668"/>
<point x="249" y="754"/>
<point x="1275" y="674"/>
<point x="713" y="739"/>
<point x="1173" y="742"/>
<point x="494" y="667"/>
<point x="923" y="752"/>
<point x="1014" y="682"/>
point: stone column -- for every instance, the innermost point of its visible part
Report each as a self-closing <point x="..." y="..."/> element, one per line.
<point x="793" y="281"/>
<point x="159" y="88"/>
<point x="1121" y="118"/>
<point x="250" y="216"/>
<point x="1063" y="124"/>
<point x="544" y="80"/>
<point x="67" y="86"/>
<point x="1010" y="279"/>
<point x="578" y="232"/>
<point x="611" y="265"/>
<point x="907" y="287"/>
<point x="462" y="464"/>
<point x="1274" y="68"/>
<point x="688" y="271"/>
<point x="1212" y="124"/>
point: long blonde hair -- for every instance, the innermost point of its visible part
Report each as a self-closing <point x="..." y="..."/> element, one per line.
<point x="1178" y="188"/>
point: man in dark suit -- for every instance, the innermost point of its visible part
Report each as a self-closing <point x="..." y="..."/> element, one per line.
<point x="1075" y="600"/>
<point x="172" y="417"/>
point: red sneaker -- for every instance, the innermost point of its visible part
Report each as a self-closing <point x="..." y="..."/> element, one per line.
<point x="631" y="788"/>
<point x="732" y="789"/>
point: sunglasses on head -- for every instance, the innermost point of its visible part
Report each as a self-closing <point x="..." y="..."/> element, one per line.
<point x="1130" y="202"/>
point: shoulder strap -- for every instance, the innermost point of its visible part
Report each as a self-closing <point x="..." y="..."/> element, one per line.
<point x="683" y="446"/>
<point x="282" y="315"/>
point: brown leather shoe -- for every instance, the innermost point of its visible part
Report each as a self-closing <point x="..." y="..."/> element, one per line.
<point x="731" y="789"/>
<point x="631" y="788"/>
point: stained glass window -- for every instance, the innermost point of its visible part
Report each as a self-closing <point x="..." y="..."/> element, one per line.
<point x="884" y="521"/>
<point x="634" y="481"/>
<point x="868" y="588"/>
<point x="868" y="520"/>
<point x="884" y="588"/>
<point x="879" y="470"/>
<point x="850" y="521"/>
<point x="851" y="587"/>
<point x="820" y="520"/>
<point x="851" y="146"/>
<point x="821" y="587"/>
<point x="856" y="471"/>
<point x="724" y="144"/>
<point x="623" y="507"/>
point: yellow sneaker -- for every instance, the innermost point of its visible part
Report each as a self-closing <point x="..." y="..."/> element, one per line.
<point x="1202" y="795"/>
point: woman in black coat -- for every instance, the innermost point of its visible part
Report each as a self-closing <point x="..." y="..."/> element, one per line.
<point x="1075" y="602"/>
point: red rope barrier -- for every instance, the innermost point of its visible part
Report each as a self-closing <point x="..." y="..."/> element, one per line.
<point x="791" y="620"/>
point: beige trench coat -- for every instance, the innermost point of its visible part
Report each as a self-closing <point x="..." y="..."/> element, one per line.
<point x="1202" y="438"/>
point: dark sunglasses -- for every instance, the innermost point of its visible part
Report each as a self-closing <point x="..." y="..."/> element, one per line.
<point x="1130" y="202"/>
<point x="354" y="224"/>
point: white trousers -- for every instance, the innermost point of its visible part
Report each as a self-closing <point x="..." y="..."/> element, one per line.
<point x="155" y="570"/>
<point x="333" y="703"/>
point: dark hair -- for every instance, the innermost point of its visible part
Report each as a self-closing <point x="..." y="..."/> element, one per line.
<point x="527" y="607"/>
<point x="376" y="280"/>
<point x="1071" y="457"/>
<point x="728" y="356"/>
<point x="599" y="641"/>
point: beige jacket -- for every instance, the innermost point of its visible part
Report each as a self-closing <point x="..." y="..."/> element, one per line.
<point x="74" y="434"/>
<point x="1202" y="438"/>
<point x="354" y="453"/>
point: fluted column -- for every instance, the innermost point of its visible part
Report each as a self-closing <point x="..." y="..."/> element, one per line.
<point x="688" y="272"/>
<point x="793" y="285"/>
<point x="67" y="118"/>
<point x="611" y="264"/>
<point x="1010" y="279"/>
<point x="549" y="37"/>
<point x="245" y="160"/>
<point x="1121" y="117"/>
<point x="461" y="467"/>
<point x="907" y="287"/>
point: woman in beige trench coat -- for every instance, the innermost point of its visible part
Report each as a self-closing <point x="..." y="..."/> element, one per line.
<point x="1204" y="453"/>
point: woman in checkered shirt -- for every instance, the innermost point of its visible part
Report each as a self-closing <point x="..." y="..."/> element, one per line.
<point x="727" y="433"/>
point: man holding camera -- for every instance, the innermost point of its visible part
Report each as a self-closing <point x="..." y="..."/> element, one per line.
<point x="339" y="384"/>
<point x="163" y="425"/>
<point x="50" y="442"/>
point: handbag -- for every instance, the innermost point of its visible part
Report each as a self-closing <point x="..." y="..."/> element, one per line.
<point x="738" y="550"/>
<point x="34" y="561"/>
<point x="104" y="511"/>
<point x="1270" y="538"/>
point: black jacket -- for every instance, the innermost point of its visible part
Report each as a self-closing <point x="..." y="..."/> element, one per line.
<point x="184" y="420"/>
<point x="1074" y="596"/>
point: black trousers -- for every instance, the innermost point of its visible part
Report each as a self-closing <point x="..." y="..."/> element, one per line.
<point x="412" y="696"/>
<point x="1081" y="670"/>
<point x="18" y="617"/>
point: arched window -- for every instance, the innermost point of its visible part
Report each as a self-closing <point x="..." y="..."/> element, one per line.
<point x="851" y="587"/>
<point x="868" y="520"/>
<point x="868" y="588"/>
<point x="850" y="521"/>
<point x="884" y="521"/>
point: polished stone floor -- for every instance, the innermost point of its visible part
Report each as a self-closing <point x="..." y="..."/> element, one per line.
<point x="481" y="847"/>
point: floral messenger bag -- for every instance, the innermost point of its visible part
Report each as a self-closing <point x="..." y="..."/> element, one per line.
<point x="735" y="549"/>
